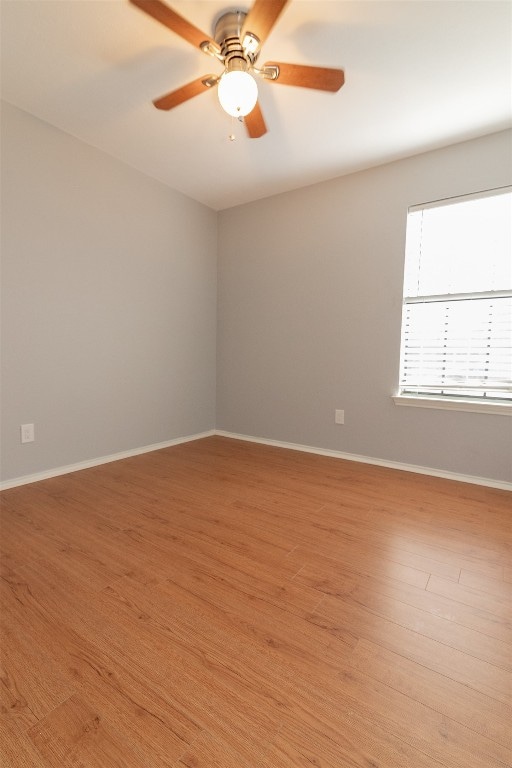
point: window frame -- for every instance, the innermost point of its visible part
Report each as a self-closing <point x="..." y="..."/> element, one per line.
<point x="440" y="401"/>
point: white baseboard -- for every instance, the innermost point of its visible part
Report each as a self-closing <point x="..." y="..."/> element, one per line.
<point x="489" y="482"/>
<point x="25" y="479"/>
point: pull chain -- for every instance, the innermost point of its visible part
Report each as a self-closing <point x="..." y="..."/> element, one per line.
<point x="232" y="136"/>
<point x="235" y="121"/>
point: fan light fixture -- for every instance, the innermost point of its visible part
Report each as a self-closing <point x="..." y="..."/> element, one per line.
<point x="236" y="43"/>
<point x="238" y="93"/>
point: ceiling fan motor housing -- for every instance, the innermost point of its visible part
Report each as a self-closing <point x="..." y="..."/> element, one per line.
<point x="228" y="30"/>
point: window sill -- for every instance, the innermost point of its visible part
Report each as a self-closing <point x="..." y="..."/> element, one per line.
<point x="454" y="404"/>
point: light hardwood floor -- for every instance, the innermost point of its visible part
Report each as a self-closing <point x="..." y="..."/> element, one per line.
<point x="222" y="604"/>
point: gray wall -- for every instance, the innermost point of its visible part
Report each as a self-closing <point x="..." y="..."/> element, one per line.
<point x="109" y="302"/>
<point x="309" y="315"/>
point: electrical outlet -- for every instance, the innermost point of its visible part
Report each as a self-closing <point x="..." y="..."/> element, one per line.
<point x="27" y="433"/>
<point x="339" y="417"/>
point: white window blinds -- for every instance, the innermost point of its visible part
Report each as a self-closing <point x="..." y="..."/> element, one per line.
<point x="457" y="313"/>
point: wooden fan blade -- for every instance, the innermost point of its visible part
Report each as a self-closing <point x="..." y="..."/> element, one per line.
<point x="320" y="78"/>
<point x="186" y="92"/>
<point x="261" y="18"/>
<point x="169" y="18"/>
<point x="255" y="123"/>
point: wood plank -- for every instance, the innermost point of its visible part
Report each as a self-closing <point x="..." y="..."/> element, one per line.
<point x="241" y="585"/>
<point x="342" y="619"/>
<point x="355" y="591"/>
<point x="108" y="669"/>
<point x="474" y="710"/>
<point x="497" y="587"/>
<point x="119" y="663"/>
<point x="298" y="747"/>
<point x="253" y="623"/>
<point x="350" y="558"/>
<point x="361" y="699"/>
<point x="328" y="577"/>
<point x="16" y="748"/>
<point x="500" y="606"/>
<point x="97" y="563"/>
<point x="211" y="752"/>
<point x="166" y="543"/>
<point x="74" y="734"/>
<point x="330" y="534"/>
<point x="436" y="529"/>
<point x="31" y="683"/>
<point x="327" y="731"/>
<point x="13" y="704"/>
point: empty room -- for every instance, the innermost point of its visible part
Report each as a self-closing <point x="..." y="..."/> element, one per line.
<point x="256" y="384"/>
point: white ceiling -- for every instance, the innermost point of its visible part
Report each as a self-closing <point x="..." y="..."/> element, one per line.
<point x="419" y="75"/>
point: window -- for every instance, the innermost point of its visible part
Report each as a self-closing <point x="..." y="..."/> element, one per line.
<point x="457" y="308"/>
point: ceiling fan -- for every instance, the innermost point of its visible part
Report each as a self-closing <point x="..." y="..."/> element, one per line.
<point x="236" y="43"/>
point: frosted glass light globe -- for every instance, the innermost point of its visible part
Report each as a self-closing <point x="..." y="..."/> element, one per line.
<point x="238" y="93"/>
